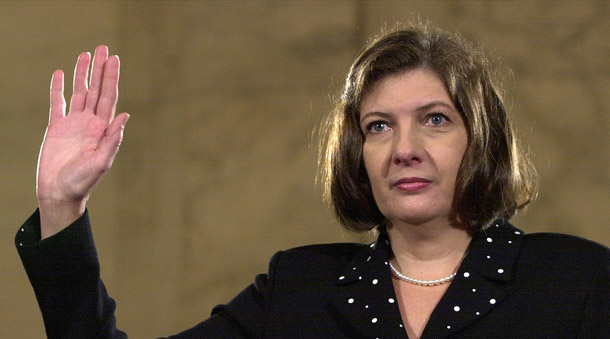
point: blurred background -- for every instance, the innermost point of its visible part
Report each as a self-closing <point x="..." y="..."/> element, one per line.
<point x="216" y="172"/>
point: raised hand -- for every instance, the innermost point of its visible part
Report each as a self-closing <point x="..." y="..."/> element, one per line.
<point x="78" y="148"/>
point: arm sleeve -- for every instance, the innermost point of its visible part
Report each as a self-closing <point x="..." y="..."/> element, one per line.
<point x="65" y="273"/>
<point x="245" y="316"/>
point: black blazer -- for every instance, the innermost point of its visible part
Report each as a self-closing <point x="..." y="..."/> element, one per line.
<point x="510" y="285"/>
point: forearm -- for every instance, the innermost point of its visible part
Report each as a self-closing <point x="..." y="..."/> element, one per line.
<point x="64" y="271"/>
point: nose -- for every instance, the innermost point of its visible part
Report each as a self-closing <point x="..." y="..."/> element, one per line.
<point x="408" y="148"/>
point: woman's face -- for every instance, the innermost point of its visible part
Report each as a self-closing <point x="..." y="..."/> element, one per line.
<point x="414" y="143"/>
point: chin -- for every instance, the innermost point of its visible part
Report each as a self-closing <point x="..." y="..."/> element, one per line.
<point x="417" y="215"/>
<point x="412" y="220"/>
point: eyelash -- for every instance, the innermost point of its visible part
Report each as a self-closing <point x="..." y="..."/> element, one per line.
<point x="370" y="125"/>
<point x="437" y="114"/>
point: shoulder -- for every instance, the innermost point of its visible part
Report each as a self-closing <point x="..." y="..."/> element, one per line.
<point x="550" y="244"/>
<point x="559" y="256"/>
<point x="566" y="254"/>
<point x="320" y="254"/>
<point x="322" y="262"/>
<point x="336" y="251"/>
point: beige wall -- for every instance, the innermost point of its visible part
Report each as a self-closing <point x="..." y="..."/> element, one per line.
<point x="216" y="171"/>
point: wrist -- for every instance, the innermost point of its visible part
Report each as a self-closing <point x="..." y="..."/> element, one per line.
<point x="57" y="215"/>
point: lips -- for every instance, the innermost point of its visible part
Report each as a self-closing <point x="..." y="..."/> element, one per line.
<point x="412" y="184"/>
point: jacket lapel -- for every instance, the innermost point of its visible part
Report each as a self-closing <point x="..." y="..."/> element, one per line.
<point x="365" y="300"/>
<point x="481" y="281"/>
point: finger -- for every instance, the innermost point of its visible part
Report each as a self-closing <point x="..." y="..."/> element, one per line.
<point x="58" y="103"/>
<point x="97" y="71"/>
<point x="110" y="90"/>
<point x="79" y="94"/>
<point x="109" y="146"/>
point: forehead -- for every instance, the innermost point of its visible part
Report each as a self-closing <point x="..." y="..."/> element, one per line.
<point x="414" y="87"/>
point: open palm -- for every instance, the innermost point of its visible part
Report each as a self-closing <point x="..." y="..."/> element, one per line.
<point x="79" y="148"/>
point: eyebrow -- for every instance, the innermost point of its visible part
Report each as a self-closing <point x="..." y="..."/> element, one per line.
<point x="421" y="108"/>
<point x="432" y="104"/>
<point x="375" y="113"/>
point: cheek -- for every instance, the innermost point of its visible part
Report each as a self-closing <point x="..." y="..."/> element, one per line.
<point x="373" y="167"/>
<point x="372" y="162"/>
<point x="453" y="159"/>
<point x="374" y="170"/>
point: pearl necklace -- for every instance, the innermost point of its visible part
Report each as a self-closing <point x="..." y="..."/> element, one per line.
<point x="422" y="282"/>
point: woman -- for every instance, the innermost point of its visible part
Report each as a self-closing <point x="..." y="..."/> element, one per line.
<point x="419" y="147"/>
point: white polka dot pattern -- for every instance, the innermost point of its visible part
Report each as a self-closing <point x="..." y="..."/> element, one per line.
<point x="486" y="259"/>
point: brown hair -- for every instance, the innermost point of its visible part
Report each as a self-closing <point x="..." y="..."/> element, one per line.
<point x="495" y="178"/>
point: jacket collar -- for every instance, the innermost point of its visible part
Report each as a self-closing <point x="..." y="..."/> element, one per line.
<point x="367" y="302"/>
<point x="366" y="297"/>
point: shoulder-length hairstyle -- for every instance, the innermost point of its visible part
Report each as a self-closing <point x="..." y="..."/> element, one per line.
<point x="495" y="178"/>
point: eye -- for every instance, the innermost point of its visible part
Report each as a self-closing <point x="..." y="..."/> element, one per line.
<point x="437" y="119"/>
<point x="377" y="127"/>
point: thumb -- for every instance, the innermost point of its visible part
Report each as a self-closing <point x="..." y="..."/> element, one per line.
<point x="111" y="142"/>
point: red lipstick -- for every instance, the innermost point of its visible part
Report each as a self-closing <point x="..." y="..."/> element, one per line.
<point x="412" y="184"/>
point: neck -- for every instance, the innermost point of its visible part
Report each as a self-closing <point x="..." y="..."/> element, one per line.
<point x="428" y="250"/>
